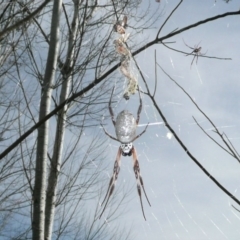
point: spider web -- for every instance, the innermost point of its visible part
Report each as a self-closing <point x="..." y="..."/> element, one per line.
<point x="186" y="204"/>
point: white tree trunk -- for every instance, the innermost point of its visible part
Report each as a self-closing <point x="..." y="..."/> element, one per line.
<point x="60" y="128"/>
<point x="39" y="193"/>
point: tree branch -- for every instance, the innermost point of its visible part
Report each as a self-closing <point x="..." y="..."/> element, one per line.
<point x="185" y="148"/>
<point x="21" y="22"/>
<point x="98" y="80"/>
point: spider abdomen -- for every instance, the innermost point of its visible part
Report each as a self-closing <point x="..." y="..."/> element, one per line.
<point x="125" y="127"/>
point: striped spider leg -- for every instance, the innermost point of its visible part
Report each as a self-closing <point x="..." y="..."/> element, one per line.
<point x="125" y="127"/>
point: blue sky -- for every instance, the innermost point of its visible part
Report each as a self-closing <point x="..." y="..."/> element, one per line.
<point x="185" y="203"/>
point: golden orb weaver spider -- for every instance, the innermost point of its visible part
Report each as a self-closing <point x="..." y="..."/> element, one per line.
<point x="125" y="127"/>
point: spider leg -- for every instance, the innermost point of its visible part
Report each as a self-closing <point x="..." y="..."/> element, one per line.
<point x="139" y="108"/>
<point x="188" y="45"/>
<point x="198" y="44"/>
<point x="193" y="59"/>
<point x="109" y="135"/>
<point x="197" y="58"/>
<point x="110" y="108"/>
<point x="113" y="180"/>
<point x="136" y="170"/>
<point x="200" y="54"/>
<point x="190" y="53"/>
<point x="139" y="135"/>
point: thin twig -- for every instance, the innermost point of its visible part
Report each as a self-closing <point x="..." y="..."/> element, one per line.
<point x="21" y="22"/>
<point x="199" y="23"/>
<point x="204" y="114"/>
<point x="100" y="79"/>
<point x="212" y="137"/>
<point x="66" y="17"/>
<point x="168" y="18"/>
<point x="185" y="148"/>
<point x="235" y="208"/>
<point x="232" y="145"/>
<point x="155" y="66"/>
<point x="157" y="40"/>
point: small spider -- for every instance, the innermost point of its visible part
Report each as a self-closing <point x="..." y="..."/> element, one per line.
<point x="196" y="52"/>
<point x="125" y="127"/>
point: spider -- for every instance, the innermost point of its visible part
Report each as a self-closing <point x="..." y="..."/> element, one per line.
<point x="125" y="127"/>
<point x="196" y="52"/>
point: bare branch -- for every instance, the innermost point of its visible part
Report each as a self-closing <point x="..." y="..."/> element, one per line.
<point x="168" y="18"/>
<point x="21" y="22"/>
<point x="184" y="147"/>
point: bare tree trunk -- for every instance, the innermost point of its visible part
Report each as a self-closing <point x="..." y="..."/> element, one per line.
<point x="42" y="144"/>
<point x="60" y="128"/>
